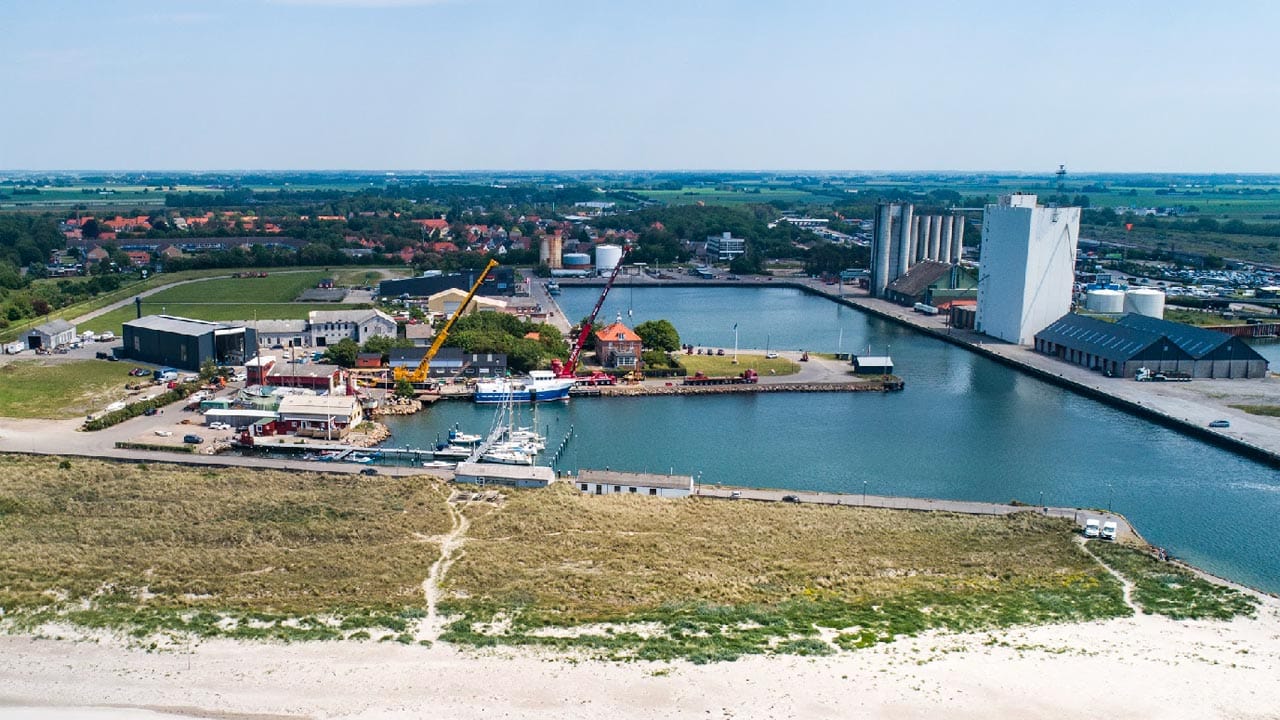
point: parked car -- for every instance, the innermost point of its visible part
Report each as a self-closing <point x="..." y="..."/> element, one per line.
<point x="150" y="411"/>
<point x="1092" y="528"/>
<point x="1220" y="424"/>
<point x="771" y="355"/>
<point x="101" y="355"/>
<point x="139" y="372"/>
<point x="192" y="439"/>
<point x="368" y="471"/>
<point x="735" y="495"/>
<point x="791" y="498"/>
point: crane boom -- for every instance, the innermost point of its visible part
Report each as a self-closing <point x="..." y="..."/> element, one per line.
<point x="420" y="373"/>
<point x="571" y="365"/>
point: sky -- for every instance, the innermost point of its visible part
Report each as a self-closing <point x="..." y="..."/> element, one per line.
<point x="908" y="85"/>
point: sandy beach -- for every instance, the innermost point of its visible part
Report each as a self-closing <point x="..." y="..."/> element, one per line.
<point x="1139" y="667"/>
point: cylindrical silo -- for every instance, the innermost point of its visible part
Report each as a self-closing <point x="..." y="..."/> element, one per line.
<point x="1104" y="301"/>
<point x="904" y="242"/>
<point x="557" y="249"/>
<point x="544" y="251"/>
<point x="926" y="231"/>
<point x="914" y="253"/>
<point x="577" y="261"/>
<point x="957" y="240"/>
<point x="607" y="258"/>
<point x="944" y="246"/>
<point x="880" y="249"/>
<point x="1145" y="301"/>
<point x="935" y="237"/>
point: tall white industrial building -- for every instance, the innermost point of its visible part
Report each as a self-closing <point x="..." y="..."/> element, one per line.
<point x="1028" y="267"/>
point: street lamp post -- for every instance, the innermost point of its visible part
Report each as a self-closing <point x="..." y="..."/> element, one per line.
<point x="1110" y="489"/>
<point x="864" y="492"/>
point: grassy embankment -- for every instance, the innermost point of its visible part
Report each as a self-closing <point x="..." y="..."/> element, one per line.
<point x="57" y="390"/>
<point x="269" y="298"/>
<point x="263" y="554"/>
<point x="1164" y="589"/>
<point x="219" y="552"/>
<point x="1265" y="410"/>
<point x="722" y="365"/>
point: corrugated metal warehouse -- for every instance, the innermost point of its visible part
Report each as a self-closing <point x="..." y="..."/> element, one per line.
<point x="1136" y="341"/>
<point x="185" y="343"/>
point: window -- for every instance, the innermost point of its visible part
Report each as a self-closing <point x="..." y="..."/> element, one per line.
<point x="584" y="487"/>
<point x="632" y="489"/>
<point x="653" y="491"/>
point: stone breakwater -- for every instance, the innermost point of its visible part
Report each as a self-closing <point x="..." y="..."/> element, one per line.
<point x="368" y="435"/>
<point x="678" y="389"/>
<point x="398" y="406"/>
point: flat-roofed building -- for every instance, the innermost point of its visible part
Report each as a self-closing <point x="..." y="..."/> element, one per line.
<point x="524" y="476"/>
<point x="312" y="376"/>
<point x="320" y="416"/>
<point x="612" y="482"/>
<point x="185" y="343"/>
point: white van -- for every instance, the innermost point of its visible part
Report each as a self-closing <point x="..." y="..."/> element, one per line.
<point x="1091" y="528"/>
<point x="1108" y="530"/>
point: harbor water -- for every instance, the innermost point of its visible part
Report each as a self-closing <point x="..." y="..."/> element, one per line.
<point x="965" y="428"/>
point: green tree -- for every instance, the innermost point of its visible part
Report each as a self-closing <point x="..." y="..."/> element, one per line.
<point x="208" y="369"/>
<point x="659" y="335"/>
<point x="343" y="353"/>
<point x="404" y="388"/>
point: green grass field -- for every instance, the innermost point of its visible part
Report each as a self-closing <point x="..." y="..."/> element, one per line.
<point x="56" y="390"/>
<point x="226" y="299"/>
<point x="722" y="366"/>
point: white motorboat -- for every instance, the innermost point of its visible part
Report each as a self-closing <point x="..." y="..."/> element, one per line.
<point x="507" y="456"/>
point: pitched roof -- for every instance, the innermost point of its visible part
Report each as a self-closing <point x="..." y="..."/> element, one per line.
<point x="920" y="277"/>
<point x="351" y="316"/>
<point x="1111" y="341"/>
<point x="54" y="327"/>
<point x="617" y="332"/>
<point x="177" y="325"/>
<point x="1198" y="342"/>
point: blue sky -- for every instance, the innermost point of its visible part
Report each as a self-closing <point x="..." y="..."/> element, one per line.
<point x="656" y="84"/>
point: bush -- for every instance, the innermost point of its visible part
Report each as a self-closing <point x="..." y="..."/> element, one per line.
<point x="133" y="410"/>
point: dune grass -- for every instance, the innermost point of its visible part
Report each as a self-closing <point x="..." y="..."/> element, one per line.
<point x="630" y="577"/>
<point x="225" y="551"/>
<point x="58" y="390"/>
<point x="1164" y="589"/>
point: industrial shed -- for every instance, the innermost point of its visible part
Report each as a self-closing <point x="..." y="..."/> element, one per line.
<point x="185" y="343"/>
<point x="611" y="482"/>
<point x="452" y="362"/>
<point x="1161" y="346"/>
<point x="501" y="281"/>
<point x="1217" y="354"/>
<point x="51" y="335"/>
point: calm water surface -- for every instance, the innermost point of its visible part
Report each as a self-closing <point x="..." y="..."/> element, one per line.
<point x="965" y="428"/>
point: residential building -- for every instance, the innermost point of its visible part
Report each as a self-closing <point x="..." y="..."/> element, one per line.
<point x="1028" y="267"/>
<point x="321" y="378"/>
<point x="611" y="482"/>
<point x="328" y="327"/>
<point x="618" y="346"/>
<point x="328" y="416"/>
<point x="282" y="333"/>
<point x="420" y="333"/>
<point x="725" y="247"/>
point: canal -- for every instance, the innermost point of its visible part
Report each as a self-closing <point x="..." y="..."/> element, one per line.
<point x="965" y="428"/>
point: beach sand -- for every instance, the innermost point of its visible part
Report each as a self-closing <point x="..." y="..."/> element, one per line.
<point x="1140" y="667"/>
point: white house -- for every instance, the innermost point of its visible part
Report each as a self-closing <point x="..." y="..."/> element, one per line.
<point x="285" y="333"/>
<point x="526" y="476"/>
<point x="322" y="416"/>
<point x="608" y="482"/>
<point x="328" y="327"/>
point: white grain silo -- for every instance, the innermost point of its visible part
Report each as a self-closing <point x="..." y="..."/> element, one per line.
<point x="1145" y="301"/>
<point x="607" y="258"/>
<point x="1104" y="301"/>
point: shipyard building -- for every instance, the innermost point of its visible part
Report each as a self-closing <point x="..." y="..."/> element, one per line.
<point x="185" y="343"/>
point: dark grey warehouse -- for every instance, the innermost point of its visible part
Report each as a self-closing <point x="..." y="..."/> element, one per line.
<point x="185" y="343"/>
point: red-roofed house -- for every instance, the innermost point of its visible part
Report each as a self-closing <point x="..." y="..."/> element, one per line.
<point x="435" y="225"/>
<point x="618" y="346"/>
<point x="97" y="254"/>
<point x="139" y="258"/>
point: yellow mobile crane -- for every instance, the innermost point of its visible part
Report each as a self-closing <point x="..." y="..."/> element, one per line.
<point x="423" y="371"/>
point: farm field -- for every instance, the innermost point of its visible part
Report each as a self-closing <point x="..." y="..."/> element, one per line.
<point x="57" y="390"/>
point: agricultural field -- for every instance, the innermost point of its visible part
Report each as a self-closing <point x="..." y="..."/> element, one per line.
<point x="225" y="299"/>
<point x="722" y="366"/>
<point x="223" y="551"/>
<point x="725" y="196"/>
<point x="59" y="390"/>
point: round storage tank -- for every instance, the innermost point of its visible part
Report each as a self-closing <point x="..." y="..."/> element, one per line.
<point x="1145" y="301"/>
<point x="1104" y="301"/>
<point x="576" y="261"/>
<point x="607" y="258"/>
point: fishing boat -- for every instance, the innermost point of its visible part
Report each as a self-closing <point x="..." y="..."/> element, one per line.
<point x="538" y="386"/>
<point x="553" y="287"/>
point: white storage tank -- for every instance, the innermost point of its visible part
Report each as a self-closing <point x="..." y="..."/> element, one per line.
<point x="1145" y="301"/>
<point x="576" y="261"/>
<point x="1104" y="301"/>
<point x="607" y="258"/>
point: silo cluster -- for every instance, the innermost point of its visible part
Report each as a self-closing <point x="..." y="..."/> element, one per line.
<point x="902" y="239"/>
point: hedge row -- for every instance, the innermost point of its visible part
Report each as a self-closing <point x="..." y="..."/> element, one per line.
<point x="149" y="446"/>
<point x="133" y="410"/>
